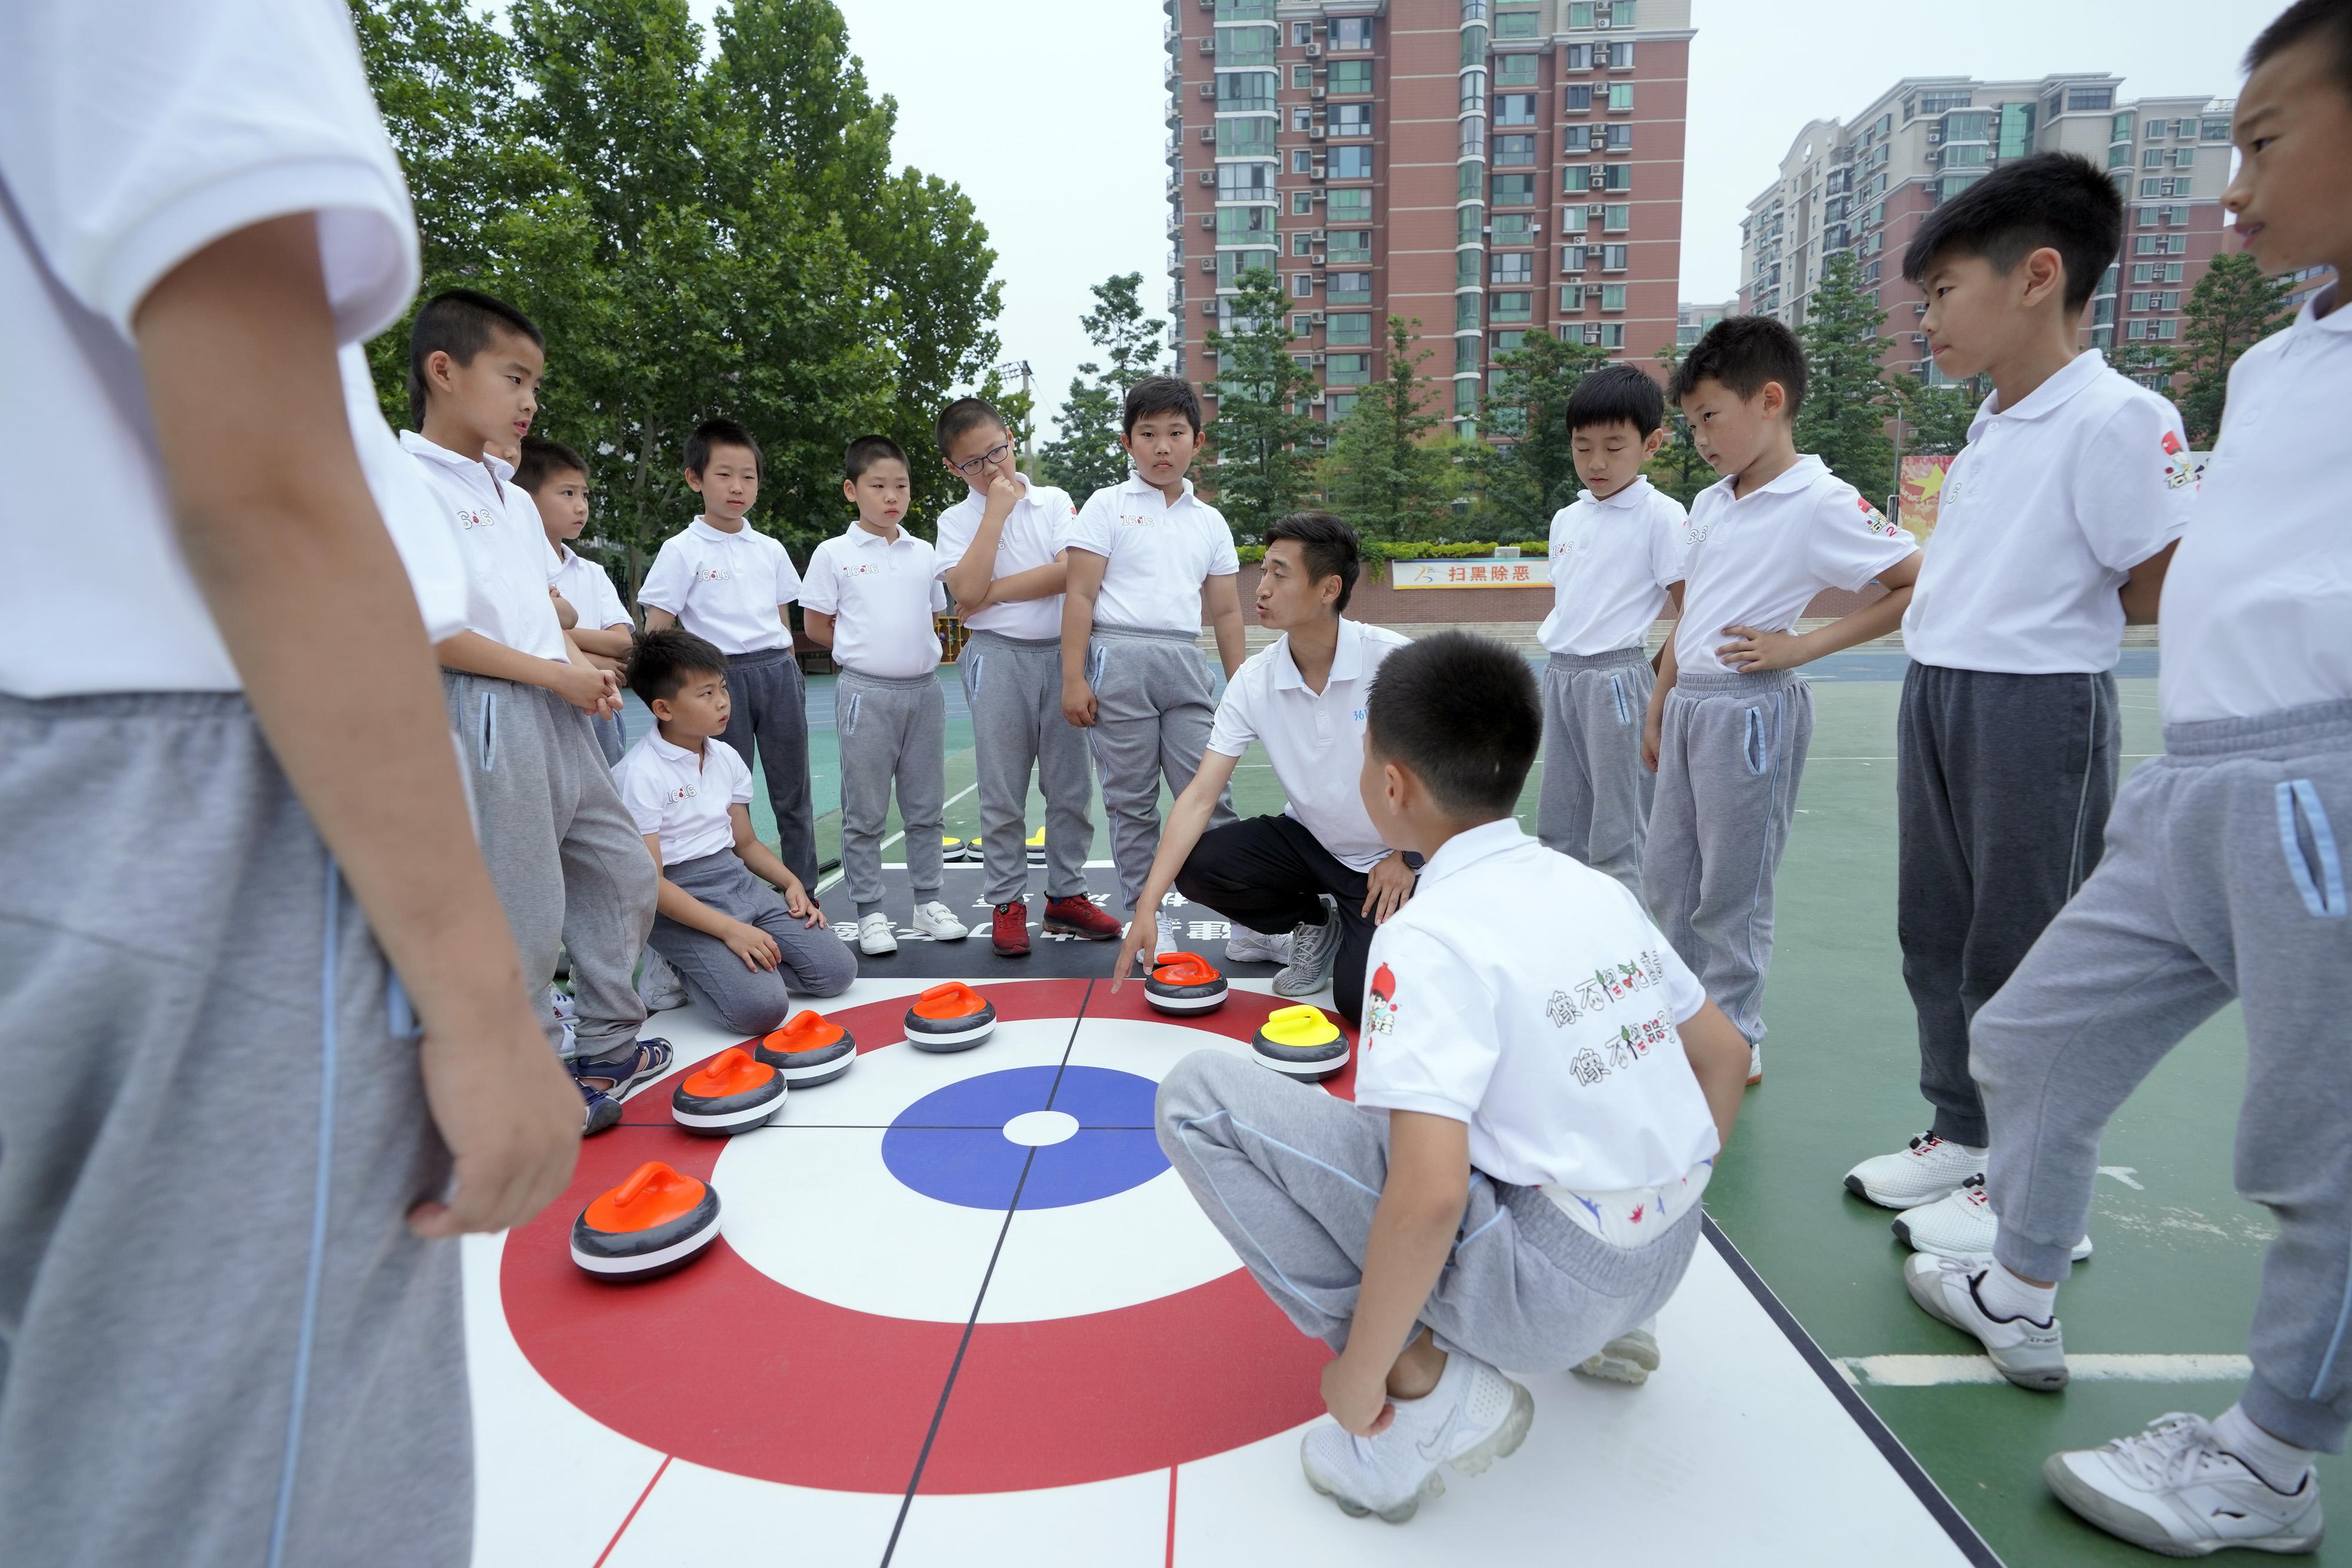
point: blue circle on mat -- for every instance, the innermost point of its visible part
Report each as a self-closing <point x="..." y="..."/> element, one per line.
<point x="951" y="1143"/>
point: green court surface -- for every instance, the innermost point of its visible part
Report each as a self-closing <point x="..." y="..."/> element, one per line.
<point x="2178" y="1253"/>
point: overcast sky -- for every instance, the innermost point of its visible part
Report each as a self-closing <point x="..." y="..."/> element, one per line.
<point x="1048" y="113"/>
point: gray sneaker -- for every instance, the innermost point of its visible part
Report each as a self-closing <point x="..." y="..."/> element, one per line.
<point x="1313" y="950"/>
<point x="2029" y="1354"/>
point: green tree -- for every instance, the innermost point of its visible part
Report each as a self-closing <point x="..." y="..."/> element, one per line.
<point x="1678" y="470"/>
<point x="1531" y="473"/>
<point x="1847" y="401"/>
<point x="1382" y="473"/>
<point x="2232" y="307"/>
<point x="1087" y="456"/>
<point x="1936" y="419"/>
<point x="1261" y="439"/>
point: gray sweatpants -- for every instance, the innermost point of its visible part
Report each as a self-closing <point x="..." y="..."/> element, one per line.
<point x="2223" y="878"/>
<point x="1013" y="687"/>
<point x="769" y="716"/>
<point x="1153" y="707"/>
<point x="1291" y="1175"/>
<point x="1595" y="802"/>
<point x="2002" y="787"/>
<point x="216" y="1329"/>
<point x="569" y="864"/>
<point x="1729" y="760"/>
<point x="891" y="730"/>
<point x="816" y="963"/>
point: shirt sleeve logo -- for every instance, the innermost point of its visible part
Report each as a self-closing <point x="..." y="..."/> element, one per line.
<point x="2180" y="468"/>
<point x="1873" y="519"/>
<point x="1380" y="1017"/>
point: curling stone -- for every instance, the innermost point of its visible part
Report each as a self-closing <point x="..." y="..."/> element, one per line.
<point x="730" y="1094"/>
<point x="1184" y="983"/>
<point x="1300" y="1042"/>
<point x="952" y="852"/>
<point x="809" y="1051"/>
<point x="952" y="1017"/>
<point x="655" y="1221"/>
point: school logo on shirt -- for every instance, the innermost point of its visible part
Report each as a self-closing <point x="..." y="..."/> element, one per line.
<point x="1695" y="534"/>
<point x="1562" y="1010"/>
<point x="1380" y="1017"/>
<point x="475" y="518"/>
<point x="1876" y="521"/>
<point x="1138" y="520"/>
<point x="2180" y="468"/>
<point x="713" y="574"/>
<point x="861" y="568"/>
<point x="684" y="792"/>
<point x="1634" y="1041"/>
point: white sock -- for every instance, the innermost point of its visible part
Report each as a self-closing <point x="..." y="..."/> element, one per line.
<point x="2005" y="1295"/>
<point x="2276" y="1460"/>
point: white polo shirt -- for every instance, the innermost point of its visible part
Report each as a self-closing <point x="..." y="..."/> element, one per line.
<point x="684" y="798"/>
<point x="1316" y="740"/>
<point x="1613" y="560"/>
<point x="729" y="588"/>
<point x="588" y="588"/>
<point x="1555" y="1039"/>
<point x="1157" y="555"/>
<point x="2044" y="515"/>
<point x="2258" y="602"/>
<point x="133" y="136"/>
<point x="1758" y="560"/>
<point x="502" y="543"/>
<point x="882" y="594"/>
<point x="1030" y="538"/>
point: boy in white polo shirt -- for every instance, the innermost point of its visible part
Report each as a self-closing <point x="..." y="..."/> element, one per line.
<point x="556" y="479"/>
<point x="2055" y="526"/>
<point x="2224" y="878"/>
<point x="1318" y="869"/>
<point x="1538" y="1106"/>
<point x="229" y="811"/>
<point x="1000" y="557"/>
<point x="1148" y="559"/>
<point x="521" y="696"/>
<point x="870" y="595"/>
<point x="736" y="924"/>
<point x="1616" y="561"/>
<point x="730" y="584"/>
<point x="1730" y="719"/>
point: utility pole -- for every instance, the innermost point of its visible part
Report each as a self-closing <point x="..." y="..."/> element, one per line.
<point x="1029" y="438"/>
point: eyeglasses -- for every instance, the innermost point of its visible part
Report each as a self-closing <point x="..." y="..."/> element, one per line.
<point x="988" y="459"/>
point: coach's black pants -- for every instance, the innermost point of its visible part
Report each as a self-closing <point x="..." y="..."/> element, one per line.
<point x="1267" y="873"/>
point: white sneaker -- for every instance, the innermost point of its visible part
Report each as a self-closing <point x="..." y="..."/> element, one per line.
<point x="1755" y="1063"/>
<point x="2173" y="1489"/>
<point x="1474" y="1417"/>
<point x="659" y="985"/>
<point x="1960" y="1226"/>
<point x="938" y="922"/>
<point x="2029" y="1354"/>
<point x="1171" y="936"/>
<point x="876" y="934"/>
<point x="1929" y="1169"/>
<point x="1247" y="946"/>
<point x="1631" y="1357"/>
<point x="1313" y="950"/>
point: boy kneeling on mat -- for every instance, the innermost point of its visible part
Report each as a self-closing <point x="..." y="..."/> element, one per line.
<point x="1537" y="1110"/>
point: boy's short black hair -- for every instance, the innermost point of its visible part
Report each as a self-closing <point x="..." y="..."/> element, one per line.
<point x="866" y="451"/>
<point x="1617" y="395"/>
<point x="542" y="459"/>
<point x="1330" y="545"/>
<point x="2061" y="200"/>
<point x="1459" y="713"/>
<point x="460" y="323"/>
<point x="713" y="432"/>
<point x="964" y="416"/>
<point x="660" y="662"/>
<point x="1162" y="394"/>
<point x="1743" y="352"/>
<point x="2329" y="20"/>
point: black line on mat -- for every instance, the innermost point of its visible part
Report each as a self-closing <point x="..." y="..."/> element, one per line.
<point x="1972" y="1546"/>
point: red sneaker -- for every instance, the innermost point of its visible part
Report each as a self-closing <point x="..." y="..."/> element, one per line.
<point x="1082" y="917"/>
<point x="1008" y="932"/>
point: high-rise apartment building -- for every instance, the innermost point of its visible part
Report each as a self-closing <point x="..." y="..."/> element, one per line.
<point x="1864" y="184"/>
<point x="1483" y="167"/>
<point x="1693" y="320"/>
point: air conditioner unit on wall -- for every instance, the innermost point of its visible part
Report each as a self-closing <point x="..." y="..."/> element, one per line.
<point x="1317" y="91"/>
<point x="1208" y="220"/>
<point x="1208" y="176"/>
<point x="1208" y="89"/>
<point x="1315" y="236"/>
<point x="1314" y="133"/>
<point x="1208" y="264"/>
<point x="1313" y="51"/>
<point x="1209" y="135"/>
<point x="1318" y="357"/>
<point x="1208" y="45"/>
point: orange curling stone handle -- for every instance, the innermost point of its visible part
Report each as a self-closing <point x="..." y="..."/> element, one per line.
<point x="731" y="1071"/>
<point x="654" y="1195"/>
<point x="1184" y="969"/>
<point x="953" y="1000"/>
<point x="807" y="1031"/>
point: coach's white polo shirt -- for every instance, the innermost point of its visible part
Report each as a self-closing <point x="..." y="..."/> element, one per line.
<point x="1157" y="554"/>
<point x="1315" y="740"/>
<point x="881" y="594"/>
<point x="1555" y="1039"/>
<point x="684" y="798"/>
<point x="503" y="543"/>
<point x="2044" y="515"/>
<point x="2258" y="604"/>
<point x="729" y="588"/>
<point x="1030" y="538"/>
<point x="1758" y="560"/>
<point x="588" y="588"/>
<point x="1613" y="560"/>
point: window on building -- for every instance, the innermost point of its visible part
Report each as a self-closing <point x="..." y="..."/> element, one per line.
<point x="1350" y="76"/>
<point x="1611" y="334"/>
<point x="2103" y="310"/>
<point x="1247" y="46"/>
<point x="1934" y="103"/>
<point x="1245" y="225"/>
<point x="2119" y="155"/>
<point x="1231" y="264"/>
<point x="1244" y="10"/>
<point x="1350" y="206"/>
<point x="1574" y="258"/>
<point x="1351" y="245"/>
<point x="1466" y="401"/>
<point x="2138" y="300"/>
<point x="1302" y="78"/>
<point x="2079" y="98"/>
<point x="1302" y="203"/>
<point x="1514" y="152"/>
<point x="1517" y="70"/>
<point x="1301" y="117"/>
<point x="1302" y="161"/>
<point x="1301" y="244"/>
<point x="2166" y="330"/>
<point x="2168" y="300"/>
<point x="1465" y="311"/>
<point x="1246" y="92"/>
<point x="1514" y="307"/>
<point x="1246" y="136"/>
<point x="1613" y="297"/>
<point x="1617" y="137"/>
<point x="2119" y="128"/>
<point x="1521" y="24"/>
<point x="1302" y="32"/>
<point x="1617" y="176"/>
<point x="1578" y="58"/>
<point x="1350" y="164"/>
<point x="1348" y="327"/>
<point x="1620" y="98"/>
<point x="2135" y="331"/>
<point x="2214" y="128"/>
<point x="1575" y="180"/>
<point x="1302" y="285"/>
<point x="1515" y="229"/>
<point x="1514" y="109"/>
<point x="2152" y="159"/>
<point x="1245" y="182"/>
<point x="1347" y="370"/>
<point x="1465" y="354"/>
<point x="1578" y="100"/>
<point x="1343" y="404"/>
<point x="2184" y="157"/>
<point x="1509" y="342"/>
<point x="1617" y="217"/>
<point x="1351" y="119"/>
<point x="1351" y="32"/>
<point x="1466" y="269"/>
<point x="1621" y="57"/>
<point x="1571" y="297"/>
<point x="2171" y="272"/>
<point x="1512" y="267"/>
<point x="1515" y="190"/>
<point x="1349" y="289"/>
<point x="1613" y="258"/>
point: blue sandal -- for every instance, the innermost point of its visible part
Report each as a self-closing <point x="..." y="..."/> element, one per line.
<point x="620" y="1077"/>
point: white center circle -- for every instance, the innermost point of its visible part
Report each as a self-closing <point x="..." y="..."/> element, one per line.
<point x="1042" y="1129"/>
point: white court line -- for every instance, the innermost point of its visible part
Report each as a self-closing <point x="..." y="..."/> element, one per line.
<point x="1935" y="1371"/>
<point x="2127" y="756"/>
<point x="834" y="879"/>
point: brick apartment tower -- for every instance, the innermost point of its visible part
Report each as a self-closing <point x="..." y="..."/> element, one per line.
<point x="1484" y="166"/>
